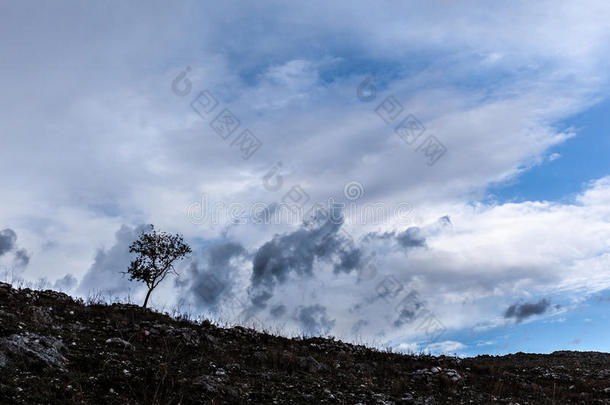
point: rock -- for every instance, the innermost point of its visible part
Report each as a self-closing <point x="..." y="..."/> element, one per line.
<point x="406" y="399"/>
<point x="213" y="340"/>
<point x="54" y="295"/>
<point x="189" y="336"/>
<point x="207" y="382"/>
<point x="118" y="341"/>
<point x="42" y="316"/>
<point x="453" y="375"/>
<point x="260" y="356"/>
<point x="309" y="364"/>
<point x="6" y="315"/>
<point x="33" y="349"/>
<point x="603" y="374"/>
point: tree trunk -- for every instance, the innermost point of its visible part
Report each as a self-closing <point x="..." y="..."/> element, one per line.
<point x="146" y="299"/>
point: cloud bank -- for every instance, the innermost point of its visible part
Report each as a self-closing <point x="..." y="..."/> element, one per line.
<point x="98" y="141"/>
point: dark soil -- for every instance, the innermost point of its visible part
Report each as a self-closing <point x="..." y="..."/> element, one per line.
<point x="57" y="350"/>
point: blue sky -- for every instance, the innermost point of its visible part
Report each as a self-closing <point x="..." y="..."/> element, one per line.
<point x="580" y="159"/>
<point x="487" y="207"/>
<point x="582" y="328"/>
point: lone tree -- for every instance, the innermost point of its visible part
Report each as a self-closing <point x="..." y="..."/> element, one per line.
<point x="157" y="252"/>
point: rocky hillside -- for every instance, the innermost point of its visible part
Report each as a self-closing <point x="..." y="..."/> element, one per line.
<point x="56" y="350"/>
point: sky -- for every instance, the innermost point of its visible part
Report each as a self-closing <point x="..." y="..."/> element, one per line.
<point x="426" y="177"/>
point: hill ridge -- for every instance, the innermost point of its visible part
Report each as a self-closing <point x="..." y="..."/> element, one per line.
<point x="55" y="349"/>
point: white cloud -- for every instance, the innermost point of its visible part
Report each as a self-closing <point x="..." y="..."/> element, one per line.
<point x="94" y="138"/>
<point x="445" y="347"/>
<point x="408" y="348"/>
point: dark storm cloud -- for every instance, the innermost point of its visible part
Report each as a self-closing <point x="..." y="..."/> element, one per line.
<point x="278" y="311"/>
<point x="349" y="259"/>
<point x="206" y="286"/>
<point x="66" y="283"/>
<point x="210" y="282"/>
<point x="313" y="320"/>
<point x="8" y="243"/>
<point x="8" y="238"/>
<point x="412" y="237"/>
<point x="22" y="259"/>
<point x="521" y="311"/>
<point x="409" y="308"/>
<point x="320" y="238"/>
<point x="361" y="323"/>
<point x="220" y="255"/>
<point x="444" y="220"/>
<point x="317" y="239"/>
<point x="105" y="273"/>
